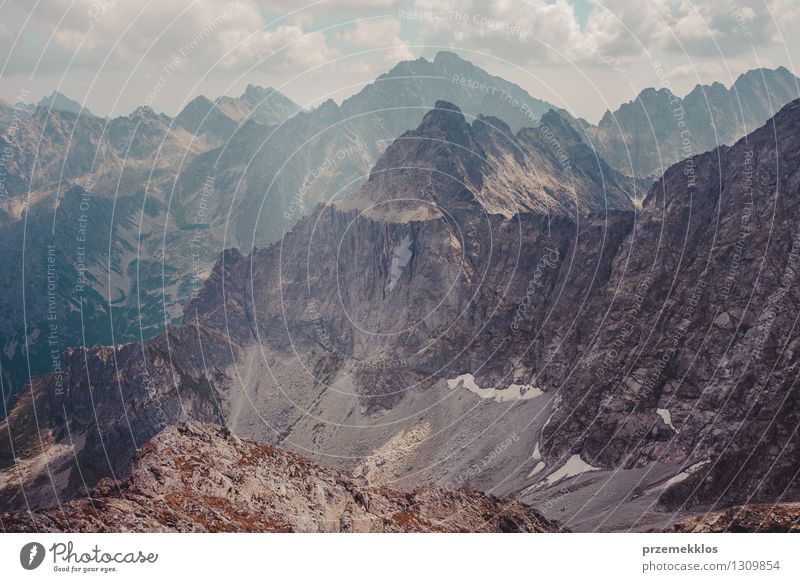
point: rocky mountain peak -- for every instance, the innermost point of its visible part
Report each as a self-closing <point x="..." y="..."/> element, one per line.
<point x="264" y="105"/>
<point x="558" y="125"/>
<point x="763" y="74"/>
<point x="199" y="106"/>
<point x="444" y="121"/>
<point x="252" y="92"/>
<point x="448" y="58"/>
<point x="59" y="101"/>
<point x="447" y="164"/>
<point x="201" y="116"/>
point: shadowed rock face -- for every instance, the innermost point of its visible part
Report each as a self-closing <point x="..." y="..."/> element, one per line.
<point x="194" y="477"/>
<point x="701" y="324"/>
<point x="659" y="346"/>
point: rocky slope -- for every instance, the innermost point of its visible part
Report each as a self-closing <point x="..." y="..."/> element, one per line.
<point x="97" y="245"/>
<point x="695" y="361"/>
<point x="86" y="223"/>
<point x="757" y="517"/>
<point x="202" y="478"/>
<point x="658" y="129"/>
<point x="56" y="147"/>
<point x="170" y="194"/>
<point x="269" y="180"/>
<point x="11" y="114"/>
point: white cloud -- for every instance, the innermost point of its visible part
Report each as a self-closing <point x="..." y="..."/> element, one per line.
<point x="329" y="6"/>
<point x="203" y="31"/>
<point x="529" y="31"/>
<point x="696" y="29"/>
<point x="536" y="31"/>
<point x="239" y="31"/>
<point x="379" y="33"/>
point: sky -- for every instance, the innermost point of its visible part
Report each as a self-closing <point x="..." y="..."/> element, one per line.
<point x="584" y="55"/>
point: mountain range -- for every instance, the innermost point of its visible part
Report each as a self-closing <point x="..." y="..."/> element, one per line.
<point x="169" y="194"/>
<point x="326" y="352"/>
<point x="649" y="134"/>
<point x="430" y="294"/>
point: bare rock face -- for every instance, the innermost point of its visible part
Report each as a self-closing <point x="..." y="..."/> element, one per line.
<point x="194" y="477"/>
<point x="696" y="360"/>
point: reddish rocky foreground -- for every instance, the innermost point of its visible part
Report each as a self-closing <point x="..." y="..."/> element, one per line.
<point x="196" y="477"/>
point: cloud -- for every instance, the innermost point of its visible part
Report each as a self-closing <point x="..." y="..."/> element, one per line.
<point x="115" y="34"/>
<point x="696" y="29"/>
<point x="88" y="34"/>
<point x="130" y="44"/>
<point x="715" y="29"/>
<point x="379" y="33"/>
<point x="287" y="48"/>
<point x="711" y="69"/>
<point x="544" y="31"/>
<point x="529" y="31"/>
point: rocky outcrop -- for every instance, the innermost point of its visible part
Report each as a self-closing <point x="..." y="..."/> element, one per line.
<point x="71" y="429"/>
<point x="429" y="262"/>
<point x="695" y="360"/>
<point x="201" y="116"/>
<point x="202" y="478"/>
<point x="753" y="518"/>
<point x="86" y="226"/>
<point x="262" y="104"/>
<point x="98" y="248"/>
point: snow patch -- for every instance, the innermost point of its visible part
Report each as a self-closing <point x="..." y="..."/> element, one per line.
<point x="537" y="454"/>
<point x="666" y="417"/>
<point x="572" y="468"/>
<point x="513" y="392"/>
<point x="537" y="469"/>
<point x="34" y="336"/>
<point x="10" y="349"/>
<point x="683" y="475"/>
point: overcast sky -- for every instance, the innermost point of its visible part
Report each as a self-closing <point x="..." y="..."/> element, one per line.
<point x="585" y="56"/>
